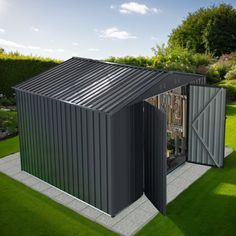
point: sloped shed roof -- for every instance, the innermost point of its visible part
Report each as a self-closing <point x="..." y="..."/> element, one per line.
<point x="93" y="84"/>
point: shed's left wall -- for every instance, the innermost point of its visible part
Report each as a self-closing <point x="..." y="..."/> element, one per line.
<point x="66" y="146"/>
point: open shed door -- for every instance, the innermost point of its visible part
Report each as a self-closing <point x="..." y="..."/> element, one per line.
<point x="155" y="156"/>
<point x="206" y="126"/>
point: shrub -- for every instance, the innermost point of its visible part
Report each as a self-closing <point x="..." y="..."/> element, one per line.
<point x="231" y="74"/>
<point x="231" y="88"/>
<point x="5" y="102"/>
<point x="16" y="68"/>
<point x="179" y="59"/>
<point x="135" y="61"/>
<point x="8" y="122"/>
<point x="213" y="75"/>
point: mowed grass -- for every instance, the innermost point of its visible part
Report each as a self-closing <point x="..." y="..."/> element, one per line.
<point x="9" y="146"/>
<point x="26" y="212"/>
<point x="230" y="136"/>
<point x="207" y="207"/>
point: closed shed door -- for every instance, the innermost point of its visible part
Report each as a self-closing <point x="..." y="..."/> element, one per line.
<point x="206" y="127"/>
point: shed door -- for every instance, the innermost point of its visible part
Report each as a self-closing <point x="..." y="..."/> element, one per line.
<point x="206" y="127"/>
<point x="155" y="156"/>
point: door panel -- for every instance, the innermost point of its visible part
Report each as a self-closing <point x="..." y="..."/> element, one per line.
<point x="206" y="126"/>
<point x="155" y="156"/>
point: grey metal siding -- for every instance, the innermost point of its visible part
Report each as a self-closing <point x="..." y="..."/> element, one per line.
<point x="127" y="156"/>
<point x="206" y="125"/>
<point x="66" y="146"/>
<point x="155" y="156"/>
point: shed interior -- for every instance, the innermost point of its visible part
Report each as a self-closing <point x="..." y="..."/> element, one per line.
<point x="174" y="103"/>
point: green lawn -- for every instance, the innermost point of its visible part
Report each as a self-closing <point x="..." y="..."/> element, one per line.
<point x="9" y="146"/>
<point x="230" y="137"/>
<point x="26" y="212"/>
<point x="207" y="207"/>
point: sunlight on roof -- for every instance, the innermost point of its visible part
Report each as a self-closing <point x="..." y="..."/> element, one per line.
<point x="226" y="189"/>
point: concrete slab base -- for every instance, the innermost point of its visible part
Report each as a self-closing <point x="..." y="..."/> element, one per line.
<point x="128" y="221"/>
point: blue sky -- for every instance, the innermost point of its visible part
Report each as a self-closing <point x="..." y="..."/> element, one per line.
<point x="91" y="28"/>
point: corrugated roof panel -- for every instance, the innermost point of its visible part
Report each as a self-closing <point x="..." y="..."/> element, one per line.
<point x="93" y="84"/>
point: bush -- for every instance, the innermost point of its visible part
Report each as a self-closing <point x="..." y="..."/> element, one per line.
<point x="179" y="59"/>
<point x="5" y="102"/>
<point x="231" y="74"/>
<point x="16" y="68"/>
<point x="8" y="122"/>
<point x="135" y="61"/>
<point x="213" y="75"/>
<point x="231" y="88"/>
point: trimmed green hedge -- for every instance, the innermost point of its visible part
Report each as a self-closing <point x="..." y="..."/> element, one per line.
<point x="17" y="68"/>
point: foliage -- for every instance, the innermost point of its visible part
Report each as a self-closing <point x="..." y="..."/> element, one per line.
<point x="231" y="88"/>
<point x="5" y="102"/>
<point x="15" y="68"/>
<point x="8" y="121"/>
<point x="134" y="61"/>
<point x="224" y="68"/>
<point x="9" y="146"/>
<point x="231" y="74"/>
<point x="211" y="30"/>
<point x="24" y="211"/>
<point x="179" y="59"/>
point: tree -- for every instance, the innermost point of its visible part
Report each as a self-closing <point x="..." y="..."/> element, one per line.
<point x="2" y="50"/>
<point x="211" y="30"/>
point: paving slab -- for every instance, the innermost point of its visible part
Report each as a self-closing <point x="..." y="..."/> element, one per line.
<point x="129" y="220"/>
<point x="77" y="205"/>
<point x="91" y="212"/>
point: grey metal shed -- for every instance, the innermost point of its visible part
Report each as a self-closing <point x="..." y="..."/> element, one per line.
<point x="86" y="127"/>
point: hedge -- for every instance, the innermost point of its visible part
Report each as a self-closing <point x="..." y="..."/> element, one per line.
<point x="17" y="68"/>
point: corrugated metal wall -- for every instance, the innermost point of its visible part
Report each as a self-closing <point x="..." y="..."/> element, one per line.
<point x="155" y="156"/>
<point x="127" y="156"/>
<point x="67" y="146"/>
<point x="206" y="125"/>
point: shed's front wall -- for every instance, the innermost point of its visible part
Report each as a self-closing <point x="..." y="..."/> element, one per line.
<point x="66" y="146"/>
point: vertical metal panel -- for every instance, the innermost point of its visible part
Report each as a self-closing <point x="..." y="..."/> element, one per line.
<point x="206" y="125"/>
<point x="103" y="140"/>
<point x="127" y="156"/>
<point x="155" y="156"/>
<point x="66" y="146"/>
<point x="97" y="157"/>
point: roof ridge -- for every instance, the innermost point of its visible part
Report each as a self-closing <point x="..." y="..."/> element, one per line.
<point x="121" y="65"/>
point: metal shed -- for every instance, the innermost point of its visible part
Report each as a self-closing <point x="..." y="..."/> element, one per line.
<point x="86" y="127"/>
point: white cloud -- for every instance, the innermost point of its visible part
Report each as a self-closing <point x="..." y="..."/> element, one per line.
<point x="48" y="50"/>
<point x="60" y="50"/>
<point x="93" y="49"/>
<point x="2" y="30"/>
<point x="154" y="38"/>
<point x="8" y="43"/>
<point x="134" y="7"/>
<point x="35" y="29"/>
<point x="75" y="44"/>
<point x="112" y="7"/>
<point x="115" y="33"/>
<point x="33" y="47"/>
